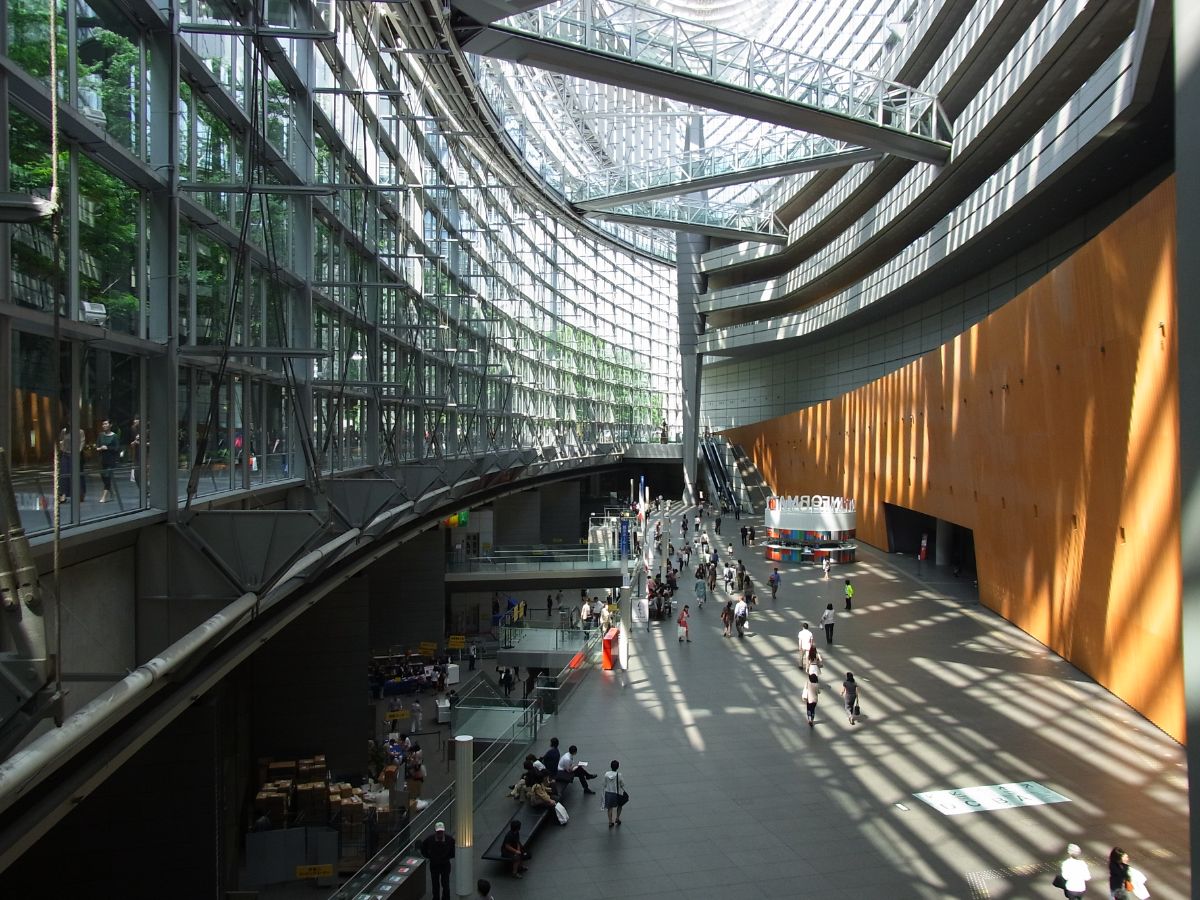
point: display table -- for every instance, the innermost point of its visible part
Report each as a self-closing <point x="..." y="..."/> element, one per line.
<point x="443" y="710"/>
<point x="452" y="676"/>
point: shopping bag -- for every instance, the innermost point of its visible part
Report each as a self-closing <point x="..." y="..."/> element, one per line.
<point x="561" y="812"/>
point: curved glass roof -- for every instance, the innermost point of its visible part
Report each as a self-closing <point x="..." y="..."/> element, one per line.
<point x="570" y="129"/>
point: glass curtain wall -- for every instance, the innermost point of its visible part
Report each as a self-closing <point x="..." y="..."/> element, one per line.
<point x="291" y="252"/>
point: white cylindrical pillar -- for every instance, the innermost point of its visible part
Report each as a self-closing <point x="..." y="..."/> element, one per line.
<point x="464" y="815"/>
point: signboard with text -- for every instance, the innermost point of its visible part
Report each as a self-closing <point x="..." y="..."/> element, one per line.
<point x="811" y="512"/>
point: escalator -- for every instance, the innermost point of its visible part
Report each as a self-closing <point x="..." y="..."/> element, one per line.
<point x="718" y="477"/>
<point x="754" y="487"/>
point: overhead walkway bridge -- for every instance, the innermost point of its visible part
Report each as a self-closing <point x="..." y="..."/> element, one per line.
<point x="233" y="578"/>
<point x="773" y="156"/>
<point x="627" y="45"/>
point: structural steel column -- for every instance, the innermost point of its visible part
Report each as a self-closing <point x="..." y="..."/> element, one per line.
<point x="1187" y="237"/>
<point x="690" y="287"/>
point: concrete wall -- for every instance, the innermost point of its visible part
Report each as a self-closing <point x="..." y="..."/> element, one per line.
<point x="147" y="831"/>
<point x="517" y="519"/>
<point x="560" y="522"/>
<point x="98" y="623"/>
<point x="1051" y="429"/>
<point x="408" y="593"/>
<point x="310" y="683"/>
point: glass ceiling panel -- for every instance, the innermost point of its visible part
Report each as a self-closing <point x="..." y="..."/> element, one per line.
<point x="569" y="128"/>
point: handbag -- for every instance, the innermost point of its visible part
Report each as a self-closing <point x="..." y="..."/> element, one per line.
<point x="623" y="799"/>
<point x="857" y="712"/>
<point x="1059" y="882"/>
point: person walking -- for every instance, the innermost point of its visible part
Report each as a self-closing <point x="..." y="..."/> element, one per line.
<point x="1123" y="876"/>
<point x="727" y="618"/>
<point x="849" y="595"/>
<point x="106" y="443"/>
<point x="827" y="623"/>
<point x="804" y="639"/>
<point x="813" y="663"/>
<point x="417" y="712"/>
<point x="812" y="693"/>
<point x="850" y="697"/>
<point x="614" y="794"/>
<point x="549" y="607"/>
<point x="741" y="614"/>
<point x="472" y="656"/>
<point x="1074" y="874"/>
<point x="750" y="535"/>
<point x="745" y="531"/>
<point x="483" y="889"/>
<point x="700" y="588"/>
<point x="825" y="566"/>
<point x="773" y="580"/>
<point x="717" y="524"/>
<point x="684" y="632"/>
<point x="438" y="848"/>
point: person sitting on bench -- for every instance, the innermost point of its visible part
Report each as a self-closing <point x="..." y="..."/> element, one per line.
<point x="568" y="769"/>
<point x="542" y="795"/>
<point x="534" y="770"/>
<point x="513" y="849"/>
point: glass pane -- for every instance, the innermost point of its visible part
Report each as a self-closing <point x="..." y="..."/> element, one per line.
<point x="37" y="269"/>
<point x="110" y="406"/>
<point x="276" y="424"/>
<point x="29" y="38"/>
<point x="109" y="280"/>
<point x="38" y="412"/>
<point x="108" y="63"/>
<point x="212" y="291"/>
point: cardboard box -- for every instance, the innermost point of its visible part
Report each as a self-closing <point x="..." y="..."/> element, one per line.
<point x="352" y="810"/>
<point x="285" y="769"/>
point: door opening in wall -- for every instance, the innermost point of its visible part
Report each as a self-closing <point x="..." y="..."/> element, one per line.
<point x="946" y="544"/>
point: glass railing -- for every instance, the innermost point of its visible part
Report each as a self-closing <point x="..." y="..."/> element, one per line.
<point x="532" y="560"/>
<point x="397" y="859"/>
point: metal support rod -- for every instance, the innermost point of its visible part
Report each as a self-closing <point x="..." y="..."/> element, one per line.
<point x="26" y="622"/>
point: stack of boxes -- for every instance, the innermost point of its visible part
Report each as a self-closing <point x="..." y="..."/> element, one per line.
<point x="294" y="791"/>
<point x="275" y="800"/>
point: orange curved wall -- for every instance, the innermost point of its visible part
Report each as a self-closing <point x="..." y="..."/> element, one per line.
<point x="1050" y="428"/>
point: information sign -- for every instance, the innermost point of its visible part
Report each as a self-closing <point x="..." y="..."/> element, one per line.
<point x="456" y="641"/>
<point x="321" y="871"/>
<point x="395" y="715"/>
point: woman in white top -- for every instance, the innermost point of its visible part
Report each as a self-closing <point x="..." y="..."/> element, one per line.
<point x="827" y="622"/>
<point x="1075" y="874"/>
<point x="812" y="693"/>
<point x="614" y="790"/>
<point x="813" y="663"/>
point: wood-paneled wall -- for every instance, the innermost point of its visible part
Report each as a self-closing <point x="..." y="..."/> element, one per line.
<point x="1050" y="428"/>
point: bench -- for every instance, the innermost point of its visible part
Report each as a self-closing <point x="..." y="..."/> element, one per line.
<point x="531" y="818"/>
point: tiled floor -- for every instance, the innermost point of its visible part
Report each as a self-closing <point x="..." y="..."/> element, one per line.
<point x="733" y="796"/>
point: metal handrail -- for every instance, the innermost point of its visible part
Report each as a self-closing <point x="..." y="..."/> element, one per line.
<point x="639" y="34"/>
<point x="771" y="149"/>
